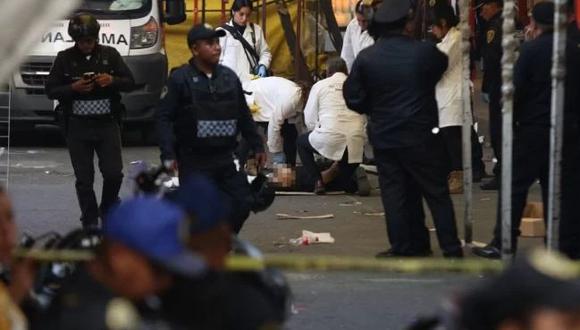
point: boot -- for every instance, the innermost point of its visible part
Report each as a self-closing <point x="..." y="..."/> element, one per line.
<point x="455" y="182"/>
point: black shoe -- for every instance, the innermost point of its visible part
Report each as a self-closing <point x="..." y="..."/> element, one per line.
<point x="362" y="182"/>
<point x="489" y="251"/>
<point x="479" y="175"/>
<point x="392" y="254"/>
<point x="492" y="184"/>
<point x="319" y="188"/>
<point x="90" y="227"/>
<point x="457" y="254"/>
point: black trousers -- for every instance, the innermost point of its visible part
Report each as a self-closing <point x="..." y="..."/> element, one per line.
<point x="453" y="143"/>
<point x="232" y="183"/>
<point x="453" y="146"/>
<point x="531" y="161"/>
<point x="531" y="152"/>
<point x="289" y="134"/>
<point x="570" y="219"/>
<point x="405" y="175"/>
<point x="312" y="173"/>
<point x="495" y="127"/>
<point x="84" y="138"/>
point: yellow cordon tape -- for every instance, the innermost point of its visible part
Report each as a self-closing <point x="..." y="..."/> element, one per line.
<point x="308" y="263"/>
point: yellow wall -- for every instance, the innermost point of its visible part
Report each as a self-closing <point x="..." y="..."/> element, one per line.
<point x="178" y="53"/>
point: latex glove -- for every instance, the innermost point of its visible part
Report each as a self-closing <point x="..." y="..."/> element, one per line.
<point x="262" y="71"/>
<point x="279" y="158"/>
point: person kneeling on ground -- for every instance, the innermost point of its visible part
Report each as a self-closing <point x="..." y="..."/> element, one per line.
<point x="337" y="132"/>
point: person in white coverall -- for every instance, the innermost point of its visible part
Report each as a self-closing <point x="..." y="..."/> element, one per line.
<point x="244" y="47"/>
<point x="356" y="37"/>
<point x="276" y="104"/>
<point x="448" y="90"/>
<point x="336" y="132"/>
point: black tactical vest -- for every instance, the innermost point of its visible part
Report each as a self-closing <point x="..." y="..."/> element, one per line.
<point x="92" y="104"/>
<point x="208" y="117"/>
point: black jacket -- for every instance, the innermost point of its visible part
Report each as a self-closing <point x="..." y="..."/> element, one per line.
<point x="394" y="82"/>
<point x="492" y="52"/>
<point x="69" y="66"/>
<point x="533" y="82"/>
<point x="192" y="101"/>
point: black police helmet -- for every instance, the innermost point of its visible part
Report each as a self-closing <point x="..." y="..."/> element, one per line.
<point x="83" y="26"/>
<point x="262" y="192"/>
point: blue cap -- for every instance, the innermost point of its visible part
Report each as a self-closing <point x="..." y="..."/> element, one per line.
<point x="153" y="227"/>
<point x="203" y="201"/>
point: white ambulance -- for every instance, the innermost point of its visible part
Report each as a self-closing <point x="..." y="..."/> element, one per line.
<point x="133" y="27"/>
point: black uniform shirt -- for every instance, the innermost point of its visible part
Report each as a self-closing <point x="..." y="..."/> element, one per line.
<point x="179" y="95"/>
<point x="533" y="81"/>
<point x="394" y="82"/>
<point x="492" y="53"/>
<point x="69" y="66"/>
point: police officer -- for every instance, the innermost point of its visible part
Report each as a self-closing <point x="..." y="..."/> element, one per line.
<point x="87" y="79"/>
<point x="532" y="109"/>
<point x="492" y="53"/>
<point x="393" y="82"/>
<point x="570" y="224"/>
<point x="200" y="117"/>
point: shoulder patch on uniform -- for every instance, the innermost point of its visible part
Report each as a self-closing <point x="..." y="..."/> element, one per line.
<point x="490" y="36"/>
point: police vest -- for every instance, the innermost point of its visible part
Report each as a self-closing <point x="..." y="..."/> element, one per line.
<point x="101" y="101"/>
<point x="209" y="118"/>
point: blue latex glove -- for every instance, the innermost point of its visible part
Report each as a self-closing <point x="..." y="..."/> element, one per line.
<point x="279" y="158"/>
<point x="262" y="71"/>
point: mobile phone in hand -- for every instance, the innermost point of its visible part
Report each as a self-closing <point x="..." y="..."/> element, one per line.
<point x="89" y="76"/>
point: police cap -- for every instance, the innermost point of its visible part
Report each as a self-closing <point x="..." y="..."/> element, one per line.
<point x="391" y="11"/>
<point x="83" y="26"/>
<point x="203" y="32"/>
<point x="543" y="13"/>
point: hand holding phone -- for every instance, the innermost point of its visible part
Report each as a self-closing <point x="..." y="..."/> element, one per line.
<point x="84" y="85"/>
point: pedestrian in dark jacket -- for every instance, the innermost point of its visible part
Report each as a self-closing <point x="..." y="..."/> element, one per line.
<point x="199" y="119"/>
<point x="87" y="79"/>
<point x="398" y="95"/>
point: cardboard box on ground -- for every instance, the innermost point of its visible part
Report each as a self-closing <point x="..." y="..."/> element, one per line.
<point x="533" y="220"/>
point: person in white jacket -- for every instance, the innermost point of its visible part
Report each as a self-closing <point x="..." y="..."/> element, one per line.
<point x="336" y="132"/>
<point x="448" y="90"/>
<point x="356" y="37"/>
<point x="276" y="104"/>
<point x="244" y="47"/>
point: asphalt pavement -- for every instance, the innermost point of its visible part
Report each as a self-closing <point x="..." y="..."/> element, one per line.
<point x="42" y="188"/>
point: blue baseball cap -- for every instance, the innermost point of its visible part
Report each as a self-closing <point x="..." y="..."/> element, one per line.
<point x="154" y="228"/>
<point x="203" y="201"/>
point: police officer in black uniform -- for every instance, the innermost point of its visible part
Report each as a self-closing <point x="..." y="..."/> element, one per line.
<point x="492" y="53"/>
<point x="532" y="113"/>
<point x="200" y="117"/>
<point x="87" y="79"/>
<point x="570" y="221"/>
<point x="393" y="82"/>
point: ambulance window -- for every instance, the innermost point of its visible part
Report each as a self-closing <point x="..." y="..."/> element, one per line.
<point x="114" y="6"/>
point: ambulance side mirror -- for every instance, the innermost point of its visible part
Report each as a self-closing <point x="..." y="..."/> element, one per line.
<point x="174" y="12"/>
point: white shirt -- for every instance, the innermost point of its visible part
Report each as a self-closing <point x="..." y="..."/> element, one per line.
<point x="355" y="40"/>
<point x="334" y="126"/>
<point x="234" y="57"/>
<point x="448" y="90"/>
<point x="278" y="99"/>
